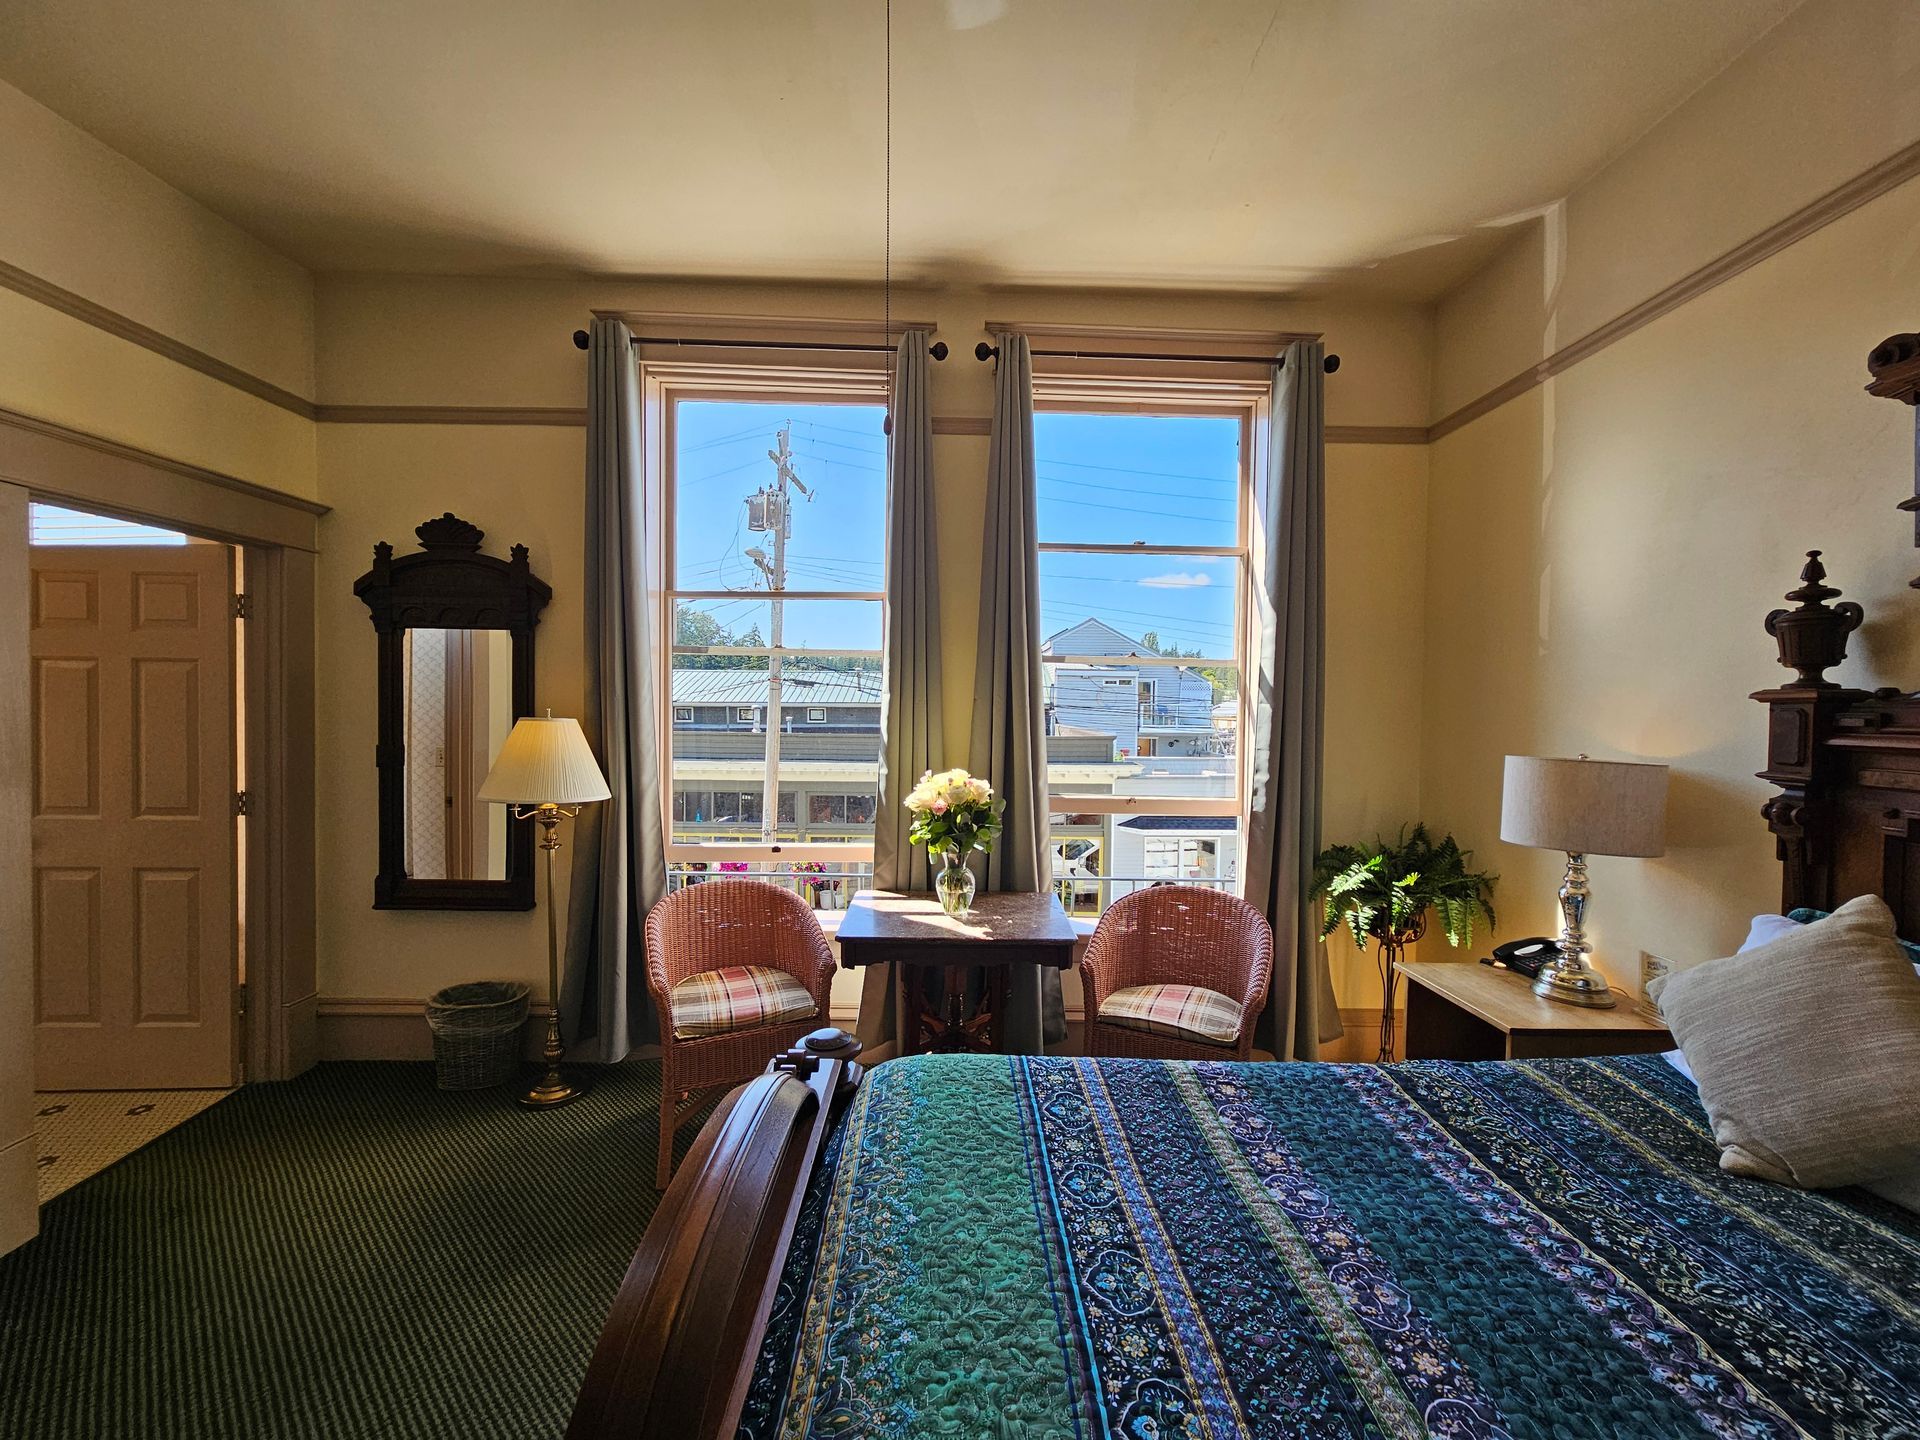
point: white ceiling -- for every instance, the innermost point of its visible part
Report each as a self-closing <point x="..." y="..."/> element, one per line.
<point x="1373" y="146"/>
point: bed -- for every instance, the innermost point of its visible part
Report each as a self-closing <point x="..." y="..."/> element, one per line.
<point x="1041" y="1248"/>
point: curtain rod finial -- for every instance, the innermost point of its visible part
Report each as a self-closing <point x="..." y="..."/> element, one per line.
<point x="1331" y="363"/>
<point x="580" y="340"/>
<point x="938" y="350"/>
<point x="983" y="351"/>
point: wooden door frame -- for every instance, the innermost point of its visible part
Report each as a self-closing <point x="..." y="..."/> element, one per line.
<point x="278" y="536"/>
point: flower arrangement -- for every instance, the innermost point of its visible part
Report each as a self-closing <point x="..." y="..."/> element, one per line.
<point x="954" y="813"/>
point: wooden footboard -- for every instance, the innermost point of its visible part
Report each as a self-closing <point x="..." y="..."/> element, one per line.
<point x="678" y="1349"/>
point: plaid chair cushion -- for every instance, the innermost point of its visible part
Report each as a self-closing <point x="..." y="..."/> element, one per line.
<point x="737" y="998"/>
<point x="1191" y="1012"/>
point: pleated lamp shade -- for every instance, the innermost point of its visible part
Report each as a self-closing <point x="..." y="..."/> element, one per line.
<point x="546" y="761"/>
<point x="1585" y="807"/>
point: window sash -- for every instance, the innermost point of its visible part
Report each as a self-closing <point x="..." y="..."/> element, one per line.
<point x="1086" y="396"/>
<point x="665" y="387"/>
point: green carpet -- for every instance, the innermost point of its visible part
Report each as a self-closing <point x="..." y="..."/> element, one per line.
<point x="349" y="1254"/>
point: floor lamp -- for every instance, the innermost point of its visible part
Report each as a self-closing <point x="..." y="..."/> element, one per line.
<point x="546" y="772"/>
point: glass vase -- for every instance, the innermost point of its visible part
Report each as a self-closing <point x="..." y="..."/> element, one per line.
<point x="954" y="883"/>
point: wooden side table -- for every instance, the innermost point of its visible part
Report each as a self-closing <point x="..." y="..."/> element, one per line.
<point x="932" y="952"/>
<point x="1462" y="1010"/>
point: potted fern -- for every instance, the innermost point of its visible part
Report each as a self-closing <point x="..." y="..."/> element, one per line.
<point x="1384" y="893"/>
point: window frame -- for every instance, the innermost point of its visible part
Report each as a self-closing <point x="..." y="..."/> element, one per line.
<point x="663" y="386"/>
<point x="1180" y="391"/>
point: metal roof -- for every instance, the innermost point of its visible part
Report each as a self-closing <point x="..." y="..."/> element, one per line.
<point x="799" y="685"/>
<point x="1216" y="824"/>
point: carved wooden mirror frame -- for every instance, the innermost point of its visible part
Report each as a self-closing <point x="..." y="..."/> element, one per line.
<point x="449" y="585"/>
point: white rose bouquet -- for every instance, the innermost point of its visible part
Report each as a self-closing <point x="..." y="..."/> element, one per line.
<point x="953" y="812"/>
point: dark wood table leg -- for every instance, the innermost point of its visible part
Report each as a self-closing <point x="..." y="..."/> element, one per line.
<point x="998" y="979"/>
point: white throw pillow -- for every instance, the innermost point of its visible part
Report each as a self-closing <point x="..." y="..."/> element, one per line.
<point x="1806" y="1051"/>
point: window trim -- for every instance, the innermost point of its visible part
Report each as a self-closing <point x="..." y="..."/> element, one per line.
<point x="663" y="385"/>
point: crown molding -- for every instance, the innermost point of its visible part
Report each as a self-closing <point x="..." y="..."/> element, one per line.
<point x="55" y="297"/>
<point x="1870" y="184"/>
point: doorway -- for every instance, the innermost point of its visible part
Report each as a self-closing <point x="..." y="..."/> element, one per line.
<point x="135" y="692"/>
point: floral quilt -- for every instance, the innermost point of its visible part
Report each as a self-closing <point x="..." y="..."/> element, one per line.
<point x="1056" y="1249"/>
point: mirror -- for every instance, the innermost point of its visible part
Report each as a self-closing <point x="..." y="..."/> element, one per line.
<point x="459" y="708"/>
<point x="455" y="653"/>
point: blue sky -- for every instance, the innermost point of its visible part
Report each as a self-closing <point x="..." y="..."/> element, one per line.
<point x="1104" y="479"/>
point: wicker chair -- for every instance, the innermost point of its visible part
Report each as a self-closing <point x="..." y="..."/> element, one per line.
<point x="1176" y="935"/>
<point x="719" y="925"/>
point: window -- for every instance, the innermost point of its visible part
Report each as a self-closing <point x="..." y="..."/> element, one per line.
<point x="1143" y="576"/>
<point x="773" y="492"/>
<point x="56" y="525"/>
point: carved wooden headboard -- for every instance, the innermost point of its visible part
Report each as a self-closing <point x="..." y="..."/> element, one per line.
<point x="1847" y="762"/>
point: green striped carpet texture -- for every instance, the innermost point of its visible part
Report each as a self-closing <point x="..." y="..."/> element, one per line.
<point x="350" y="1254"/>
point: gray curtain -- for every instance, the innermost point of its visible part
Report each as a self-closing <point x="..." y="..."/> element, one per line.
<point x="1287" y="685"/>
<point x="619" y="855"/>
<point x="1009" y="742"/>
<point x="912" y="731"/>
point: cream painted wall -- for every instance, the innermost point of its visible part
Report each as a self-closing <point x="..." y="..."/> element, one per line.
<point x="384" y="340"/>
<point x="54" y="367"/>
<point x="1827" y="94"/>
<point x="86" y="218"/>
<point x="522" y="485"/>
<point x="1601" y="553"/>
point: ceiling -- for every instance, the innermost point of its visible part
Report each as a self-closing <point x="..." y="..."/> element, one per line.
<point x="1368" y="146"/>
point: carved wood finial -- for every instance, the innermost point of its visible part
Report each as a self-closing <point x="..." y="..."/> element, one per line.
<point x="449" y="532"/>
<point x="1813" y="635"/>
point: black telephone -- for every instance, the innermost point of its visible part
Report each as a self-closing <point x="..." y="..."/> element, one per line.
<point x="1525" y="957"/>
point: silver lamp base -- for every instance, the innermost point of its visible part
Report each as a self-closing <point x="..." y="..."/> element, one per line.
<point x="1569" y="979"/>
<point x="1572" y="985"/>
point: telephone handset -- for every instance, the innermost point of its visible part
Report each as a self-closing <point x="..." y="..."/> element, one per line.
<point x="1525" y="957"/>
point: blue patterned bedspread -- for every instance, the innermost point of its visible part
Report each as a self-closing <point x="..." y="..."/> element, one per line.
<point x="1015" y="1247"/>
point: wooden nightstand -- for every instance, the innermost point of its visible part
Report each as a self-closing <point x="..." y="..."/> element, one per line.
<point x="1463" y="1010"/>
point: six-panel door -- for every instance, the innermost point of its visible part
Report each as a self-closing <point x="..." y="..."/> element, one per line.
<point x="133" y="829"/>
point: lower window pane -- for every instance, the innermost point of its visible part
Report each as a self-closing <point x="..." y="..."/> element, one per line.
<point x="723" y="748"/>
<point x="1099" y="858"/>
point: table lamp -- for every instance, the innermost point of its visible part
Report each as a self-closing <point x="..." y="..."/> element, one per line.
<point x="1584" y="807"/>
<point x="546" y="771"/>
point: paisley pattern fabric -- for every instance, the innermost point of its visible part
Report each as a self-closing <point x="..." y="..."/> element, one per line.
<point x="1056" y="1249"/>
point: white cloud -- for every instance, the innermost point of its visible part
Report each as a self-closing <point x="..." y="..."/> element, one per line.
<point x="1178" y="580"/>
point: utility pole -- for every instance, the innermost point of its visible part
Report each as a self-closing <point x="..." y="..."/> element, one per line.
<point x="776" y="515"/>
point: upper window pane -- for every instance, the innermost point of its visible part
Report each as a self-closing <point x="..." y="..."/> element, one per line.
<point x="57" y="525"/>
<point x="1138" y="479"/>
<point x="838" y="625"/>
<point x="1166" y="605"/>
<point x="835" y="530"/>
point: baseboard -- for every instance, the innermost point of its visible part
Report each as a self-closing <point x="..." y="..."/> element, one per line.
<point x="351" y="1028"/>
<point x="385" y="1029"/>
<point x="1362" y="1038"/>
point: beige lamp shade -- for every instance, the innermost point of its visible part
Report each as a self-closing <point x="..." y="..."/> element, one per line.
<point x="1584" y="807"/>
<point x="546" y="761"/>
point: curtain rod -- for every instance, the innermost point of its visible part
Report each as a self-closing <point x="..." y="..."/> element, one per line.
<point x="984" y="351"/>
<point x="938" y="350"/>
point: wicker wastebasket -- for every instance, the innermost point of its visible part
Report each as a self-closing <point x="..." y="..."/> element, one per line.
<point x="476" y="1033"/>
